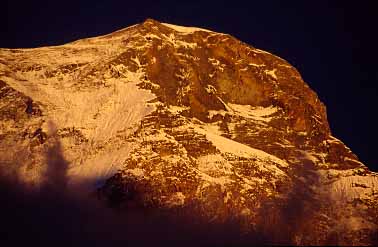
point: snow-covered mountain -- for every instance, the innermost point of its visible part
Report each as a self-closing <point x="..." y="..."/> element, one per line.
<point x="190" y="121"/>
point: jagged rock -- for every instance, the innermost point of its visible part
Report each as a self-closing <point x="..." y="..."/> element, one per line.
<point x="192" y="122"/>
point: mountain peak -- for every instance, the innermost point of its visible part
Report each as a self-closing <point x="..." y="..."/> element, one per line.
<point x="189" y="121"/>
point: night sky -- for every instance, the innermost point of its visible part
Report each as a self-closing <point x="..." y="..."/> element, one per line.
<point x="333" y="45"/>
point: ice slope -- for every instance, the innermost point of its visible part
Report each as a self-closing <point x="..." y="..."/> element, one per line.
<point x="101" y="116"/>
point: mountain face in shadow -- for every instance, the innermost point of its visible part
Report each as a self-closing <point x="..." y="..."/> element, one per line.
<point x="164" y="134"/>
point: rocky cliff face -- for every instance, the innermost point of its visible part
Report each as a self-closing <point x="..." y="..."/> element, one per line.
<point x="190" y="122"/>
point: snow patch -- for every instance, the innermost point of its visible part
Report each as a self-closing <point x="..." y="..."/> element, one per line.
<point x="216" y="63"/>
<point x="213" y="113"/>
<point x="271" y="73"/>
<point x="353" y="160"/>
<point x="100" y="116"/>
<point x="256" y="65"/>
<point x="178" y="109"/>
<point x="151" y="36"/>
<point x="186" y="30"/>
<point x="348" y="186"/>
<point x="260" y="51"/>
<point x="177" y="43"/>
<point x="136" y="60"/>
<point x="258" y="113"/>
<point x="226" y="145"/>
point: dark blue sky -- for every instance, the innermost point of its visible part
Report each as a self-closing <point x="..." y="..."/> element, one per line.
<point x="332" y="43"/>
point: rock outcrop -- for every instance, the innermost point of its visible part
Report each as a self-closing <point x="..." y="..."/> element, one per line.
<point x="190" y="122"/>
